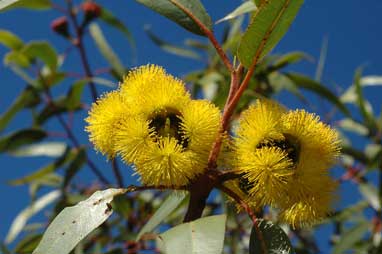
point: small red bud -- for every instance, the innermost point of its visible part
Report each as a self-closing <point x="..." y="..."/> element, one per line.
<point x="60" y="26"/>
<point x="91" y="11"/>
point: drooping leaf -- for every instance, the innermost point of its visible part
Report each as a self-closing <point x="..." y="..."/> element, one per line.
<point x="50" y="149"/>
<point x="24" y="76"/>
<point x="46" y="170"/>
<point x="28" y="244"/>
<point x="74" y="223"/>
<point x="171" y="10"/>
<point x="353" y="126"/>
<point x="74" y="166"/>
<point x="43" y="51"/>
<point x="106" y="50"/>
<point x="19" y="138"/>
<point x="18" y="58"/>
<point x="10" y="40"/>
<point x="27" y="4"/>
<point x="170" y="48"/>
<point x="205" y="235"/>
<point x="21" y="219"/>
<point x="370" y="193"/>
<point x="108" y="17"/>
<point x="311" y="85"/>
<point x="269" y="24"/>
<point x="275" y="239"/>
<point x="245" y="7"/>
<point x="168" y="205"/>
<point x="288" y="59"/>
<point x="29" y="97"/>
<point x="350" y="237"/>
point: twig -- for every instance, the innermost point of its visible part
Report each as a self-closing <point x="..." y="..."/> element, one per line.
<point x="210" y="35"/>
<point x="250" y="213"/>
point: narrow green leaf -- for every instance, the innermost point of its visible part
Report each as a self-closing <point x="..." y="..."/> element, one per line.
<point x="352" y="236"/>
<point x="245" y="7"/>
<point x="321" y="60"/>
<point x="106" y="50"/>
<point x="22" y="218"/>
<point x="28" y="97"/>
<point x="356" y="154"/>
<point x="269" y="24"/>
<point x="205" y="235"/>
<point x="43" y="51"/>
<point x="171" y="10"/>
<point x="74" y="223"/>
<point x="74" y="166"/>
<point x="288" y="59"/>
<point x="20" y="138"/>
<point x="370" y="193"/>
<point x="28" y="244"/>
<point x="309" y="84"/>
<point x="350" y="125"/>
<point x="6" y="5"/>
<point x="73" y="99"/>
<point x="168" y="206"/>
<point x="351" y="211"/>
<point x="16" y="57"/>
<point x="24" y="76"/>
<point x="9" y="39"/>
<point x="275" y="239"/>
<point x="108" y="17"/>
<point x="104" y="82"/>
<point x="50" y="149"/>
<point x="172" y="49"/>
<point x="46" y="170"/>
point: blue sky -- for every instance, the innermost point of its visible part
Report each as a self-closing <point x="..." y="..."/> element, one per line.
<point x="352" y="28"/>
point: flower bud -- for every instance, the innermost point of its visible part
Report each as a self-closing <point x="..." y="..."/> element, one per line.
<point x="60" y="26"/>
<point x="91" y="11"/>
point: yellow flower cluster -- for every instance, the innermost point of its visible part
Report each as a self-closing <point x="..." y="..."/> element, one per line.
<point x="282" y="156"/>
<point x="152" y="122"/>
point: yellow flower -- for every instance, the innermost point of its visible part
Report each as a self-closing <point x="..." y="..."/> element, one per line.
<point x="168" y="136"/>
<point x="285" y="158"/>
<point x="103" y="119"/>
<point x="149" y="89"/>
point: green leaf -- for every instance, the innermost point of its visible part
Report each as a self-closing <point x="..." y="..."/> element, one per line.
<point x="50" y="149"/>
<point x="205" y="235"/>
<point x="170" y="9"/>
<point x="10" y="40"/>
<point x="73" y="99"/>
<point x="288" y="59"/>
<point x="172" y="49"/>
<point x="311" y="85"/>
<point x="24" y="76"/>
<point x="109" y="18"/>
<point x="74" y="166"/>
<point x="20" y="138"/>
<point x="18" y="58"/>
<point x="366" y="113"/>
<point x="74" y="223"/>
<point x="269" y="24"/>
<point x="247" y="6"/>
<point x="28" y="97"/>
<point x="46" y="170"/>
<point x="22" y="218"/>
<point x="350" y="125"/>
<point x="43" y="51"/>
<point x="352" y="236"/>
<point x="370" y="193"/>
<point x="168" y="206"/>
<point x="106" y="50"/>
<point x="6" y="5"/>
<point x="28" y="244"/>
<point x="275" y="239"/>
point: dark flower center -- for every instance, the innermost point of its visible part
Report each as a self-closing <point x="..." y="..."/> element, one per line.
<point x="245" y="185"/>
<point x="290" y="145"/>
<point x="167" y="123"/>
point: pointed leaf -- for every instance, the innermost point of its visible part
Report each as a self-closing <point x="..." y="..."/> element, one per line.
<point x="351" y="237"/>
<point x="50" y="149"/>
<point x="247" y="6"/>
<point x="170" y="9"/>
<point x="74" y="223"/>
<point x="27" y="4"/>
<point x="43" y="51"/>
<point x="20" y="138"/>
<point x="202" y="236"/>
<point x="168" y="206"/>
<point x="370" y="193"/>
<point x="275" y="239"/>
<point x="22" y="218"/>
<point x="269" y="24"/>
<point x="10" y="40"/>
<point x="106" y="50"/>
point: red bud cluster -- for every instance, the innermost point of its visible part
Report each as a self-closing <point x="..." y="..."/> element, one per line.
<point x="60" y="26"/>
<point x="91" y="11"/>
